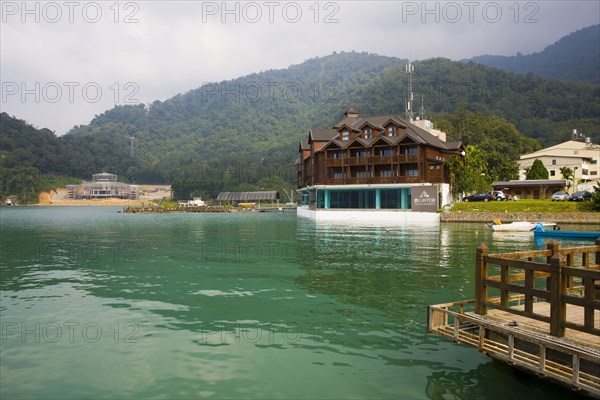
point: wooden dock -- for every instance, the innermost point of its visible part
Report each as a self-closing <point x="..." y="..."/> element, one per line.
<point x="211" y="209"/>
<point x="154" y="210"/>
<point x="538" y="311"/>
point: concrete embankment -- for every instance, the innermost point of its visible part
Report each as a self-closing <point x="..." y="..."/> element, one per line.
<point x="559" y="218"/>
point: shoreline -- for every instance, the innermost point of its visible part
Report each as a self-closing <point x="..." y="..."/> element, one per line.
<point x="148" y="194"/>
<point x="461" y="216"/>
<point x="507" y="217"/>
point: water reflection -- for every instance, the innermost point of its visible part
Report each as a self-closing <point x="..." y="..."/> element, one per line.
<point x="233" y="306"/>
<point x="476" y="384"/>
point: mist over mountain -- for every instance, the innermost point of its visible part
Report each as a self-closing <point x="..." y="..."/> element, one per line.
<point x="575" y="57"/>
<point x="243" y="134"/>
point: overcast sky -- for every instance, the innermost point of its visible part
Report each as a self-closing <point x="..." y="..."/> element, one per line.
<point x="64" y="62"/>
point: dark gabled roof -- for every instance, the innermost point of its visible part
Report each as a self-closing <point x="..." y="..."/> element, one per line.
<point x="454" y="145"/>
<point x="342" y="143"/>
<point x="321" y="135"/>
<point x="338" y="143"/>
<point x="532" y="182"/>
<point x="419" y="135"/>
<point x="384" y="139"/>
<point x="411" y="135"/>
<point x="352" y="110"/>
<point x="412" y="131"/>
<point x="349" y="127"/>
<point x="248" y="196"/>
<point x="370" y="124"/>
<point x="304" y="145"/>
<point x="360" y="141"/>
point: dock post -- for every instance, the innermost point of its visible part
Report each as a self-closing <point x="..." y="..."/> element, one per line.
<point x="481" y="274"/>
<point x="598" y="252"/>
<point x="597" y="263"/>
<point x="558" y="286"/>
<point x="554" y="248"/>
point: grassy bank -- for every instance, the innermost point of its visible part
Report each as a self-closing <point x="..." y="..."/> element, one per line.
<point x="532" y="206"/>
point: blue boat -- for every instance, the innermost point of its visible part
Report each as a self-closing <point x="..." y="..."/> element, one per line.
<point x="558" y="234"/>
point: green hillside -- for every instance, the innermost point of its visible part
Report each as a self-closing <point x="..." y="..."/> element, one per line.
<point x="575" y="57"/>
<point x="243" y="134"/>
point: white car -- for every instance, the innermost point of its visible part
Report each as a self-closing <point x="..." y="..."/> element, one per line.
<point x="560" y="196"/>
<point x="501" y="196"/>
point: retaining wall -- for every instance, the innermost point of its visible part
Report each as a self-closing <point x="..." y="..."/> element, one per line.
<point x="559" y="218"/>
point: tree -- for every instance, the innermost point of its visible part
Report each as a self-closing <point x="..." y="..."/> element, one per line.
<point x="536" y="171"/>
<point x="470" y="174"/>
<point x="567" y="174"/>
<point x="596" y="197"/>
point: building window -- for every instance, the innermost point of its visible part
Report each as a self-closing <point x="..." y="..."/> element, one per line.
<point x="363" y="174"/>
<point x="594" y="173"/>
<point x="412" y="150"/>
<point x="584" y="171"/>
<point x="345" y="135"/>
<point x="335" y="154"/>
<point x="552" y="172"/>
<point x="391" y="130"/>
<point x="362" y="153"/>
<point x="411" y="172"/>
<point x="594" y="161"/>
<point x="386" y="173"/>
<point x="367" y="133"/>
<point x="553" y="162"/>
<point x="386" y="151"/>
<point x="339" y="175"/>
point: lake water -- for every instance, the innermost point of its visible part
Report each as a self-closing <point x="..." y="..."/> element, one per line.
<point x="98" y="304"/>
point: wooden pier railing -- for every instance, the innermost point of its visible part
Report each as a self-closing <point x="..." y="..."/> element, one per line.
<point x="561" y="277"/>
<point x="538" y="311"/>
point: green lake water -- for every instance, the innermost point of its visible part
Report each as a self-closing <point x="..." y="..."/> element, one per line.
<point x="99" y="304"/>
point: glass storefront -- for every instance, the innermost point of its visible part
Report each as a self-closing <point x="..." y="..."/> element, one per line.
<point x="356" y="198"/>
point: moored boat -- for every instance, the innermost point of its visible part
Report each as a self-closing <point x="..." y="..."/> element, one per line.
<point x="539" y="231"/>
<point x="521" y="226"/>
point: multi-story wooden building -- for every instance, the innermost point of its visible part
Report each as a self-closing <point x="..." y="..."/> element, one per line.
<point x="373" y="161"/>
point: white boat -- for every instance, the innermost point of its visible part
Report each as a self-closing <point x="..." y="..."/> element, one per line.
<point x="521" y="226"/>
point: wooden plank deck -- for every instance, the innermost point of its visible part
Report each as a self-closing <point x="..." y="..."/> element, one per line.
<point x="574" y="314"/>
<point x="572" y="360"/>
<point x="545" y="318"/>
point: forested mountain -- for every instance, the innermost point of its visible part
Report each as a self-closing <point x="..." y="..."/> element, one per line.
<point x="243" y="134"/>
<point x="30" y="160"/>
<point x="575" y="57"/>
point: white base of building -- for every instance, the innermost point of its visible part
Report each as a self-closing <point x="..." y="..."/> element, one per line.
<point x="405" y="217"/>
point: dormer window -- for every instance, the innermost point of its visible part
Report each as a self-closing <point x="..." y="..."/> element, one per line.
<point x="345" y="134"/>
<point x="367" y="133"/>
<point x="391" y="130"/>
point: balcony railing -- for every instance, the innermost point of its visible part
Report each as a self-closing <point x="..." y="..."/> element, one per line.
<point x="359" y="160"/>
<point x="334" y="162"/>
<point x="383" y="159"/>
<point x="402" y="158"/>
<point x="372" y="180"/>
<point x="408" y="158"/>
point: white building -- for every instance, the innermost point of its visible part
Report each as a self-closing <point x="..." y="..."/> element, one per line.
<point x="103" y="186"/>
<point x="582" y="157"/>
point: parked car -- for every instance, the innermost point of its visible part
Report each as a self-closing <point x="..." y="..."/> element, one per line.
<point x="560" y="196"/>
<point x="479" y="197"/>
<point x="500" y="195"/>
<point x="582" y="195"/>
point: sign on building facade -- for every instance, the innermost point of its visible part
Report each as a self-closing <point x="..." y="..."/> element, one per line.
<point x="425" y="198"/>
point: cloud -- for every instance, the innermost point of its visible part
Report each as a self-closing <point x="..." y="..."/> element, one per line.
<point x="151" y="50"/>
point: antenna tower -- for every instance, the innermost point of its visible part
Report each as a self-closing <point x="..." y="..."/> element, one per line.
<point x="409" y="92"/>
<point x="422" y="114"/>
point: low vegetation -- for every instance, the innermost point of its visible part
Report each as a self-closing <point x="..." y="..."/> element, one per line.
<point x="533" y="206"/>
